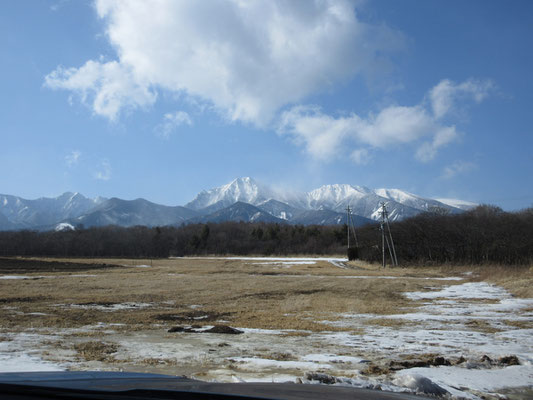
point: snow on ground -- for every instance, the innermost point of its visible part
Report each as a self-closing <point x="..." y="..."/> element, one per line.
<point x="332" y="358"/>
<point x="285" y="263"/>
<point x="444" y="324"/>
<point x="21" y="354"/>
<point x="25" y="363"/>
<point x="9" y="277"/>
<point x="288" y="261"/>
<point x="261" y="363"/>
<point x="471" y="290"/>
<point x="482" y="380"/>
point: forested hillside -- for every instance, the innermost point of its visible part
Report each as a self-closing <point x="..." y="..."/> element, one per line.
<point x="483" y="235"/>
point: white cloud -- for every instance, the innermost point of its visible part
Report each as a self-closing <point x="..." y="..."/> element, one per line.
<point x="73" y="158"/>
<point x="324" y="136"/>
<point x="321" y="134"/>
<point x="444" y="96"/>
<point x="108" y="86"/>
<point x="361" y="156"/>
<point x="103" y="173"/>
<point x="428" y="150"/>
<point x="457" y="168"/>
<point x="248" y="59"/>
<point x="171" y="122"/>
<point x="394" y="125"/>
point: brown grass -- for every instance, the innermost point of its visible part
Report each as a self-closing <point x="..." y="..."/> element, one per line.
<point x="238" y="292"/>
<point x="96" y="351"/>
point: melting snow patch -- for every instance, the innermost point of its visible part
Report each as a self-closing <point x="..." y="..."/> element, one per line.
<point x="16" y="354"/>
<point x="419" y="384"/>
<point x="267" y="363"/>
<point x="285" y="263"/>
<point x="332" y="358"/>
<point x="15" y="277"/>
<point x="111" y="306"/>
<point x="472" y="290"/>
<point x="25" y="363"/>
<point x="484" y="380"/>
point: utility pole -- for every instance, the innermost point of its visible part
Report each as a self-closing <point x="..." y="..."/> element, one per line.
<point x="352" y="253"/>
<point x="382" y="227"/>
<point x="388" y="239"/>
<point x="348" y="213"/>
<point x="393" y="253"/>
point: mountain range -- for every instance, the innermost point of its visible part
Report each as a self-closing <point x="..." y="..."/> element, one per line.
<point x="243" y="199"/>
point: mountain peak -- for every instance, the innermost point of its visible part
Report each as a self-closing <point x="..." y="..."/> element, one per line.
<point x="243" y="189"/>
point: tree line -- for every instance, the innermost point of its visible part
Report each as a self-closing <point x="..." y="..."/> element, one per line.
<point x="485" y="234"/>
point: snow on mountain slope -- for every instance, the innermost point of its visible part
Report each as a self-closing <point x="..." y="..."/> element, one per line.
<point x="133" y="212"/>
<point x="326" y="204"/>
<point x="45" y="211"/>
<point x="245" y="190"/>
<point x="278" y="209"/>
<point x="412" y="200"/>
<point x="362" y="200"/>
<point x="238" y="211"/>
<point x="461" y="204"/>
<point x="336" y="197"/>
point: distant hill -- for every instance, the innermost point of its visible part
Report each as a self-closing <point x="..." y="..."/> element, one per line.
<point x="133" y="212"/>
<point x="242" y="199"/>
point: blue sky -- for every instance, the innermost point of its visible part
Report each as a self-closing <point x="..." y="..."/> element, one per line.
<point x="163" y="99"/>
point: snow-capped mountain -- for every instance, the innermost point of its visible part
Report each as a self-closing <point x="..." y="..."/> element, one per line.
<point x="23" y="213"/>
<point x="238" y="211"/>
<point x="242" y="199"/>
<point x="414" y="201"/>
<point x="245" y="190"/>
<point x="363" y="201"/>
<point x="133" y="212"/>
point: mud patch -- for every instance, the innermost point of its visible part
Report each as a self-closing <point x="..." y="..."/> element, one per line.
<point x="222" y="329"/>
<point x="193" y="316"/>
<point x="17" y="265"/>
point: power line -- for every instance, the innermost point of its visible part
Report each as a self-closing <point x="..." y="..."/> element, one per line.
<point x="386" y="238"/>
<point x="352" y="251"/>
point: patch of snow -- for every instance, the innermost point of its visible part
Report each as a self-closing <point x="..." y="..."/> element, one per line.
<point x="484" y="380"/>
<point x="267" y="363"/>
<point x="290" y="259"/>
<point x="471" y="290"/>
<point x="331" y="358"/>
<point x="21" y="354"/>
<point x="15" y="277"/>
<point x="419" y="384"/>
<point x="111" y="307"/>
<point x="289" y="263"/>
<point x="64" y="226"/>
<point x="462" y="204"/>
<point x="25" y="363"/>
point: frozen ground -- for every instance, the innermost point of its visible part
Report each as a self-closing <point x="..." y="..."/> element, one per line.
<point x="286" y="261"/>
<point x="472" y="329"/>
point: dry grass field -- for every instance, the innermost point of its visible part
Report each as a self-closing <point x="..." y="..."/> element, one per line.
<point x="243" y="293"/>
<point x="87" y="312"/>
